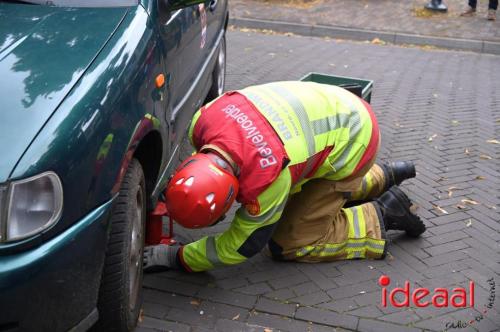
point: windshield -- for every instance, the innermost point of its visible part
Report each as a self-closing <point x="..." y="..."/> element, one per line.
<point x="82" y="3"/>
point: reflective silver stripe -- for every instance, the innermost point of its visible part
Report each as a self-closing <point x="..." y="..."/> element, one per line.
<point x="301" y="113"/>
<point x="355" y="127"/>
<point x="321" y="126"/>
<point x="336" y="248"/>
<point x="355" y="221"/>
<point x="333" y="250"/>
<point x="304" y="251"/>
<point x="376" y="245"/>
<point x="264" y="217"/>
<point x="211" y="250"/>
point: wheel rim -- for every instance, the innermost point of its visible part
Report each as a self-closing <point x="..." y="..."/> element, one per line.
<point x="221" y="62"/>
<point x="135" y="249"/>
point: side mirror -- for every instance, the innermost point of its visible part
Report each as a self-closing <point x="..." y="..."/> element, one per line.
<point x="165" y="7"/>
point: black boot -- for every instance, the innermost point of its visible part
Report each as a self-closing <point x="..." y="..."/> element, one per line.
<point x="396" y="214"/>
<point x="397" y="171"/>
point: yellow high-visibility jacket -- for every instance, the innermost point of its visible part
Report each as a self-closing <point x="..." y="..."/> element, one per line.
<point x="323" y="131"/>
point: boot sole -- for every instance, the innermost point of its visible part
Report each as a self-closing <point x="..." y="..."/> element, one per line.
<point x="415" y="224"/>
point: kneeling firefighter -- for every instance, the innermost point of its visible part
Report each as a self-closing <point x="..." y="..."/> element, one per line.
<point x="295" y="155"/>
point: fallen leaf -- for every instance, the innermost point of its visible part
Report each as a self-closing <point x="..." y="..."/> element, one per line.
<point x="480" y="177"/>
<point x="141" y="316"/>
<point x="390" y="256"/>
<point x="493" y="141"/>
<point x="440" y="209"/>
<point x="268" y="330"/>
<point x="469" y="201"/>
<point x="195" y="302"/>
<point x="485" y="156"/>
<point x="414" y="208"/>
<point x="377" y="41"/>
<point x="468" y="223"/>
<point x="491" y="207"/>
<point x="432" y="137"/>
<point x="460" y="207"/>
<point x="236" y="317"/>
<point x="466" y="151"/>
<point x="450" y="190"/>
<point x="454" y="122"/>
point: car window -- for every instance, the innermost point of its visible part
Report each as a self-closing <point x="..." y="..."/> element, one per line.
<point x="83" y="3"/>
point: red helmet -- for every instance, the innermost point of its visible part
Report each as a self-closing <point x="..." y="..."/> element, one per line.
<point x="201" y="191"/>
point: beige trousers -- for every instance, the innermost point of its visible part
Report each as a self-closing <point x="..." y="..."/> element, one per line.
<point x="315" y="226"/>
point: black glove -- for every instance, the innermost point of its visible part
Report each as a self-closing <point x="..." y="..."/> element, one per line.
<point x="160" y="258"/>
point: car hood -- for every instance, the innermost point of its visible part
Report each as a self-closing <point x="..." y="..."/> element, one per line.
<point x="43" y="53"/>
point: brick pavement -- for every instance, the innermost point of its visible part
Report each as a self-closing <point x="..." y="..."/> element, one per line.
<point x="406" y="16"/>
<point x="437" y="108"/>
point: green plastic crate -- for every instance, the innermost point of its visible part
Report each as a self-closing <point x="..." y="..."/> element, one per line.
<point x="361" y="88"/>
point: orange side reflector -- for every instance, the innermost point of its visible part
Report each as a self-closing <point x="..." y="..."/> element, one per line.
<point x="160" y="80"/>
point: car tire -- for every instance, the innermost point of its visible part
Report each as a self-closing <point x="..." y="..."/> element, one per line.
<point x="219" y="73"/>
<point x="120" y="294"/>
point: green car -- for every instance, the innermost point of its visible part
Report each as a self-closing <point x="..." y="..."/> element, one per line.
<point x="95" y="100"/>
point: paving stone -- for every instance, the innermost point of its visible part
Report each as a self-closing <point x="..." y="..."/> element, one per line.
<point x="403" y="317"/>
<point x="281" y="294"/>
<point x="170" y="285"/>
<point x="445" y="258"/>
<point x="311" y="299"/>
<point x="277" y="322"/>
<point x="275" y="307"/>
<point x="231" y="283"/>
<point x="320" y="277"/>
<point x="220" y="310"/>
<point x="255" y="289"/>
<point x="326" y="317"/>
<point x="339" y="305"/>
<point x="305" y="288"/>
<point x="376" y="326"/>
<point x="288" y="281"/>
<point x="193" y="318"/>
<point x="352" y="290"/>
<point x="368" y="298"/>
<point x="446" y="247"/>
<point x="447" y="237"/>
<point x="169" y="299"/>
<point x="225" y="325"/>
<point x="155" y="310"/>
<point x="162" y="325"/>
<point x="227" y="297"/>
<point x="369" y="311"/>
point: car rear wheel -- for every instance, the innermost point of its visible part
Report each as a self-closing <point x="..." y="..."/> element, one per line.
<point x="120" y="294"/>
<point x="219" y="73"/>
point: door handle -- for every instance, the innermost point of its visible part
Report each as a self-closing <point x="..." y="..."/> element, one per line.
<point x="212" y="5"/>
